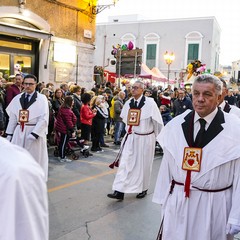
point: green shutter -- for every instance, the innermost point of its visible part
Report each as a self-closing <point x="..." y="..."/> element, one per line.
<point x="193" y="52"/>
<point x="151" y="55"/>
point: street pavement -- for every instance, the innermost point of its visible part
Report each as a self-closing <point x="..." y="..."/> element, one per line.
<point x="79" y="208"/>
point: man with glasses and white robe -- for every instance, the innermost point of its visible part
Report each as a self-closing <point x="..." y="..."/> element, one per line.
<point x="28" y="122"/>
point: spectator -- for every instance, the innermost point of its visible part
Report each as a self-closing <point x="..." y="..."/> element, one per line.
<point x="105" y="108"/>
<point x="14" y="89"/>
<point x="46" y="92"/>
<point x="182" y="103"/>
<point x="65" y="89"/>
<point x="58" y="100"/>
<point x="165" y="99"/>
<point x="86" y="114"/>
<point x="223" y="104"/>
<point x="147" y="93"/>
<point x="230" y="97"/>
<point x="50" y="87"/>
<point x="166" y="114"/>
<point x="118" y="123"/>
<point x="98" y="123"/>
<point x="65" y="124"/>
<point x="77" y="104"/>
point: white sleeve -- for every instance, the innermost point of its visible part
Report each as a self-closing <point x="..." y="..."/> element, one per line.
<point x="164" y="179"/>
<point x="234" y="216"/>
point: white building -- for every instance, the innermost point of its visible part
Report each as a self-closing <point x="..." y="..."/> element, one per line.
<point x="189" y="39"/>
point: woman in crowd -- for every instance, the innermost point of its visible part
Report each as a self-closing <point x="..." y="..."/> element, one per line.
<point x="58" y="100"/>
<point x="65" y="124"/>
<point x="105" y="107"/>
<point x="98" y="123"/>
<point x="46" y="92"/>
<point x="76" y="91"/>
<point x="86" y="116"/>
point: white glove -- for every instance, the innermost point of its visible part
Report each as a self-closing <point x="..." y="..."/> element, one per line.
<point x="232" y="229"/>
<point x="30" y="137"/>
<point x="9" y="138"/>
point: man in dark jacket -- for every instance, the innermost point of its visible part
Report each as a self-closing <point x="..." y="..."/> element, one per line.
<point x="118" y="123"/>
<point x="182" y="103"/>
<point x="14" y="89"/>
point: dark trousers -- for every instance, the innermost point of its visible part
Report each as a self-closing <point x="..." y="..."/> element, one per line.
<point x="63" y="145"/>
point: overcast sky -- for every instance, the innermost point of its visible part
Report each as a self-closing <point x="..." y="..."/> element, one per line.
<point x="227" y="14"/>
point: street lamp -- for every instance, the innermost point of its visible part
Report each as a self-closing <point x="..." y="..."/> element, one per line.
<point x="169" y="58"/>
<point x="99" y="8"/>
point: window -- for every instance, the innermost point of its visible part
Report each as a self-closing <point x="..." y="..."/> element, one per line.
<point x="193" y="47"/>
<point x="151" y="53"/>
<point x="192" y="52"/>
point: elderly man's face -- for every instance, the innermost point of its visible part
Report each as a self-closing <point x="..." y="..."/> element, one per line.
<point x="205" y="98"/>
<point x="137" y="90"/>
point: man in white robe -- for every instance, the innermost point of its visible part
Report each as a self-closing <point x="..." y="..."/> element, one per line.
<point x="224" y="105"/>
<point x="210" y="210"/>
<point x="23" y="198"/>
<point x="138" y="146"/>
<point x="30" y="134"/>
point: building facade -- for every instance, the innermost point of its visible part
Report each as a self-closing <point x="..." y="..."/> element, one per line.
<point x="189" y="39"/>
<point x="52" y="39"/>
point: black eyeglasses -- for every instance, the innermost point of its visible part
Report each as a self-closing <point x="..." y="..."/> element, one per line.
<point x="29" y="84"/>
<point x="135" y="88"/>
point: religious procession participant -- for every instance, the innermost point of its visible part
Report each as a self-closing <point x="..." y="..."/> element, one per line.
<point x="224" y="105"/>
<point x="23" y="200"/>
<point x="28" y="122"/>
<point x="198" y="183"/>
<point x="143" y="123"/>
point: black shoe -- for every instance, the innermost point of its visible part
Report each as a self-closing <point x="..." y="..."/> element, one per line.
<point x="116" y="195"/>
<point x="117" y="143"/>
<point x="142" y="194"/>
<point x="104" y="145"/>
<point x="94" y="149"/>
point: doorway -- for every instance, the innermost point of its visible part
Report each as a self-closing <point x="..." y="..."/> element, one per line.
<point x="18" y="54"/>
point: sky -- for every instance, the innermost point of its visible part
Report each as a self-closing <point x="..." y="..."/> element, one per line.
<point x="226" y="12"/>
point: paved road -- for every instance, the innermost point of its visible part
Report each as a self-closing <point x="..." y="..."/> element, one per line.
<point x="80" y="210"/>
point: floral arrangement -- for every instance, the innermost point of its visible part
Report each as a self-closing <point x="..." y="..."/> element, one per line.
<point x="128" y="46"/>
<point x="195" y="68"/>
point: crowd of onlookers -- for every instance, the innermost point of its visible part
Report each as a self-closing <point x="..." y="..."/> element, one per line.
<point x="92" y="114"/>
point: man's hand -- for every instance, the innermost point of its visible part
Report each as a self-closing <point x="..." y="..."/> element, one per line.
<point x="232" y="229"/>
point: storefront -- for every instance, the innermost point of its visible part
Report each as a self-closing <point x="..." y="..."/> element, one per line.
<point x="18" y="54"/>
<point x="55" y="47"/>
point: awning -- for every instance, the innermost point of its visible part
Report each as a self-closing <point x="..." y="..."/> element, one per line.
<point x="13" y="30"/>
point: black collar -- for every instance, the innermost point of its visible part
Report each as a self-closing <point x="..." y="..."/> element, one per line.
<point x="33" y="99"/>
<point x="140" y="105"/>
<point x="213" y="130"/>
